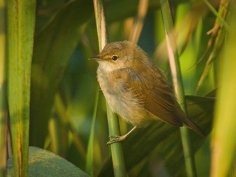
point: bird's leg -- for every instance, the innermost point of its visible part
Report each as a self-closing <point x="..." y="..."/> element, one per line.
<point x="115" y="139"/>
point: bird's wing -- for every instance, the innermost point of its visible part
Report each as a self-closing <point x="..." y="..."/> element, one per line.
<point x="155" y="94"/>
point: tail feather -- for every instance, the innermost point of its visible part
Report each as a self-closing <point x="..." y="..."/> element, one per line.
<point x="190" y="124"/>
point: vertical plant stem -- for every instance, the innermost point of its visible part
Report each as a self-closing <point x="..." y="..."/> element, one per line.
<point x="3" y="97"/>
<point x="116" y="148"/>
<point x="100" y="23"/>
<point x="20" y="37"/>
<point x="178" y="85"/>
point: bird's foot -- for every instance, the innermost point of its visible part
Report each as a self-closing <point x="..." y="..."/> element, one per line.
<point x="115" y="139"/>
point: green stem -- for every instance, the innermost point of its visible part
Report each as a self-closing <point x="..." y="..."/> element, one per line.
<point x="178" y="86"/>
<point x="116" y="148"/>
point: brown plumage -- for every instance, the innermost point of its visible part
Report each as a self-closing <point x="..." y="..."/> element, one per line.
<point x="136" y="89"/>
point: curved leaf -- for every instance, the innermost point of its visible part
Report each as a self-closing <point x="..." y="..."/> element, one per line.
<point x="43" y="163"/>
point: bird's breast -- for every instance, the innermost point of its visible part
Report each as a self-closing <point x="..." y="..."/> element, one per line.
<point x="121" y="100"/>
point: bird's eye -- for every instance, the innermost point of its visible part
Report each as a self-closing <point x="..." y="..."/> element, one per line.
<point x="114" y="57"/>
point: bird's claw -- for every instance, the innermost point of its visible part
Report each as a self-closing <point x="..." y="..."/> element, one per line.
<point x="114" y="139"/>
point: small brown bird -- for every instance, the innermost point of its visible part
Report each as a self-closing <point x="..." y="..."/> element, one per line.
<point x="136" y="89"/>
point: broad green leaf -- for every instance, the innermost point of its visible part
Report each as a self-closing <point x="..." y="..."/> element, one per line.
<point x="43" y="163"/>
<point x="20" y="32"/>
<point x="164" y="140"/>
<point x="53" y="49"/>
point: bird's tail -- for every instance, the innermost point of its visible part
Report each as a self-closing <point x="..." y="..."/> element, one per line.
<point x="190" y="124"/>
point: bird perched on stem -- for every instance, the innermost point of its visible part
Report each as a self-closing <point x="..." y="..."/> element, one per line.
<point x="136" y="89"/>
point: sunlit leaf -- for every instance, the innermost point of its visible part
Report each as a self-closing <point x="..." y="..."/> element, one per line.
<point x="20" y="32"/>
<point x="224" y="135"/>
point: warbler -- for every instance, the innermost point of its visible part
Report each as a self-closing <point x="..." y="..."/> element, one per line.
<point x="136" y="89"/>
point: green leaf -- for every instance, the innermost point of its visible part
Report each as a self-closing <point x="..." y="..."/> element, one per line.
<point x="3" y="93"/>
<point x="43" y="163"/>
<point x="164" y="140"/>
<point x="53" y="49"/>
<point x="20" y="32"/>
<point x="224" y="135"/>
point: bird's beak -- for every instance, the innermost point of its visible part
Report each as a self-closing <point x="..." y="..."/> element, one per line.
<point x="96" y="58"/>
